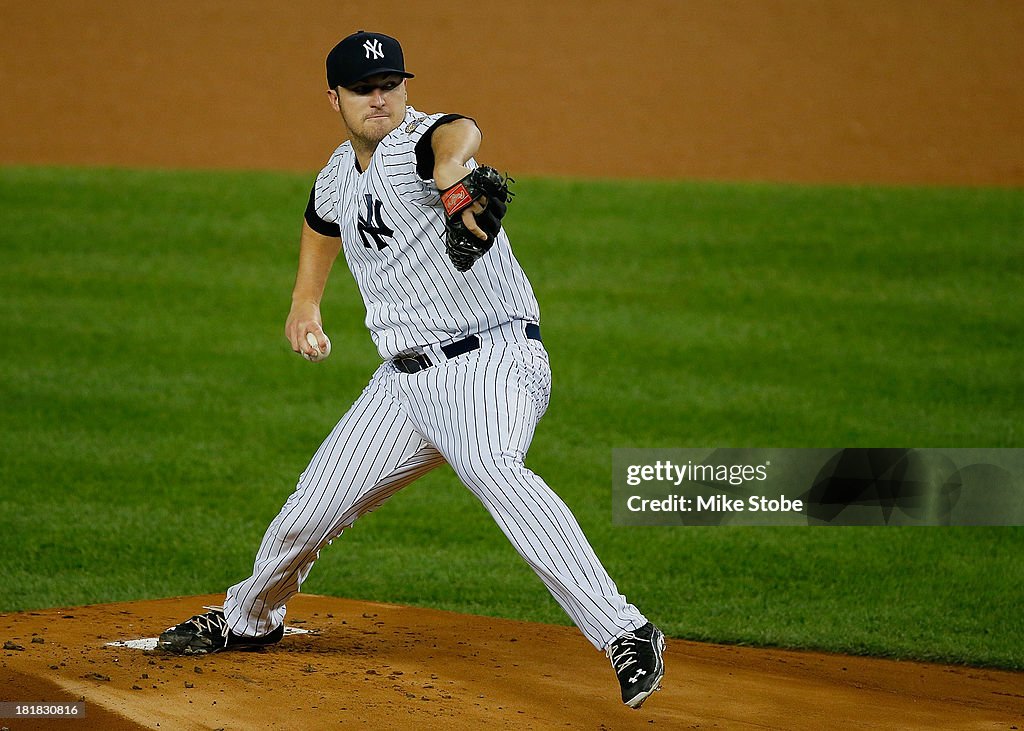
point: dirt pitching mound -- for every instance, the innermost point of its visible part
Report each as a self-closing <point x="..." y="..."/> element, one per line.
<point x="381" y="666"/>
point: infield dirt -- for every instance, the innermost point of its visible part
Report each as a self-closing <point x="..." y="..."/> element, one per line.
<point x="379" y="666"/>
<point x="916" y="91"/>
<point x="781" y="90"/>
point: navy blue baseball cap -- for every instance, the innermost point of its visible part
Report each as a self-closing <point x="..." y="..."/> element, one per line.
<point x="364" y="54"/>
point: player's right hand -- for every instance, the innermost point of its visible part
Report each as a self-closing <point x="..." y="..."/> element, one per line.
<point x="304" y="318"/>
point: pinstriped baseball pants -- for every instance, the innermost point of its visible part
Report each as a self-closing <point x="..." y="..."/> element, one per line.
<point x="477" y="412"/>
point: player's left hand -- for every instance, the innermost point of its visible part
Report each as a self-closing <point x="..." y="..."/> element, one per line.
<point x="474" y="206"/>
<point x="449" y="174"/>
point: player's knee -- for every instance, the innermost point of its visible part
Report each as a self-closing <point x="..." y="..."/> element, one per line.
<point x="499" y="475"/>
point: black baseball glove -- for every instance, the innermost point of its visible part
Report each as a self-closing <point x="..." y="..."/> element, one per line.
<point x="461" y="244"/>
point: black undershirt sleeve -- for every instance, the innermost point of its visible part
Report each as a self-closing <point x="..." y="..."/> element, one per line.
<point x="425" y="153"/>
<point x="316" y="223"/>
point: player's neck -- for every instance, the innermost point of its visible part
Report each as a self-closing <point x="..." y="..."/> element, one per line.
<point x="363" y="158"/>
<point x="364" y="153"/>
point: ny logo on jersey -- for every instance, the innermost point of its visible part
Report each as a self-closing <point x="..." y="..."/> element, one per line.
<point x="375" y="48"/>
<point x="373" y="225"/>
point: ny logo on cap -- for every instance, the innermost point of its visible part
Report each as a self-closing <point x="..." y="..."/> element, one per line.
<point x="375" y="48"/>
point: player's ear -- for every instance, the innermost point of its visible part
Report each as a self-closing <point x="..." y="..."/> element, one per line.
<point x="332" y="95"/>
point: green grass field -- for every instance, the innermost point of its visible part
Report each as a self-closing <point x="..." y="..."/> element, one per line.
<point x="154" y="419"/>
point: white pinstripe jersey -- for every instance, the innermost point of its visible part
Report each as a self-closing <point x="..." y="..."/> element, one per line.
<point x="392" y="228"/>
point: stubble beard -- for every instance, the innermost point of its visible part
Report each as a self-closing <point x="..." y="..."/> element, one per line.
<point x="369" y="133"/>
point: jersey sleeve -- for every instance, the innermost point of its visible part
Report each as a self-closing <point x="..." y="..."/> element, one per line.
<point x="314" y="220"/>
<point x="322" y="209"/>
<point x="424" y="151"/>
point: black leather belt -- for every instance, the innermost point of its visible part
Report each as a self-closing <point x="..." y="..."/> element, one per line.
<point x="414" y="363"/>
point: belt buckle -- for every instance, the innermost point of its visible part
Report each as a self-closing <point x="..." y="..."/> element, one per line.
<point x="412" y="362"/>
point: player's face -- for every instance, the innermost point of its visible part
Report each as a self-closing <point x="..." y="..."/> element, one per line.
<point x="371" y="108"/>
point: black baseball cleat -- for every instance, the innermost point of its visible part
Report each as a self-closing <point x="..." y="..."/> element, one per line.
<point x="637" y="660"/>
<point x="206" y="633"/>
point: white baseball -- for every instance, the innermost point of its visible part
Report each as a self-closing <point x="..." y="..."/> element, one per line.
<point x="319" y="355"/>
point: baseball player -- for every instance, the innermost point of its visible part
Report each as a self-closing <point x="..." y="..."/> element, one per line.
<point x="464" y="378"/>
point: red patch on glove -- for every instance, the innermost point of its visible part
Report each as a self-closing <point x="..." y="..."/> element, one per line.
<point x="456" y="198"/>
